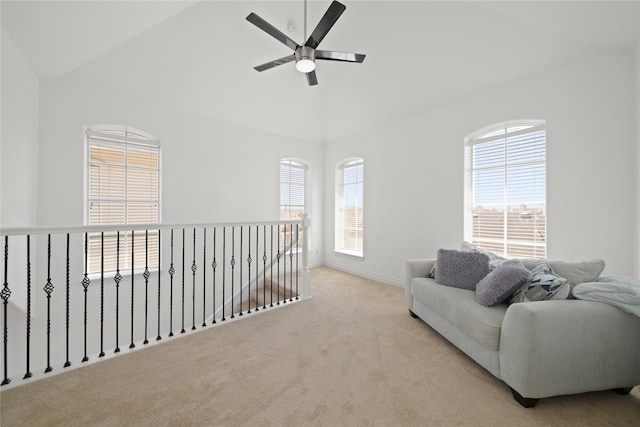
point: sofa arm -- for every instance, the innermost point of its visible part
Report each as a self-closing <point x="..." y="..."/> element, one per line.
<point x="571" y="346"/>
<point x="415" y="268"/>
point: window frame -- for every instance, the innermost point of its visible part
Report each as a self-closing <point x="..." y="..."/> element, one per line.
<point x="300" y="164"/>
<point x="128" y="137"/>
<point x="494" y="134"/>
<point x="340" y="185"/>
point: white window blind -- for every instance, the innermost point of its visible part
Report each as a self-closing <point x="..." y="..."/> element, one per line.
<point x="123" y="188"/>
<point x="291" y="190"/>
<point x="350" y="224"/>
<point x="292" y="200"/>
<point x="506" y="182"/>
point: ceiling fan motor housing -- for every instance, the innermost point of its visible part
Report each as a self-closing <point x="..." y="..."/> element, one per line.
<point x="305" y="58"/>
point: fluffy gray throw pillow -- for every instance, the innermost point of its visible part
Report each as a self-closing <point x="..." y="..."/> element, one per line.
<point x="497" y="286"/>
<point x="461" y="269"/>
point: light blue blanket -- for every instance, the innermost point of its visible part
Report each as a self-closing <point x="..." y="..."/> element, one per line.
<point x="622" y="292"/>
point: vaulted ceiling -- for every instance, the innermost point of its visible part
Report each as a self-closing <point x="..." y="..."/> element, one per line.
<point x="199" y="55"/>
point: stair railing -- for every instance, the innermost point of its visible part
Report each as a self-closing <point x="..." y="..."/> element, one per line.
<point x="86" y="293"/>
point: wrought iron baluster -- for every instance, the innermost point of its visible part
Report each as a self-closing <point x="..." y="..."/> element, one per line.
<point x="249" y="267"/>
<point x="224" y="269"/>
<point x="158" y="338"/>
<point x="85" y="283"/>
<point x="146" y="275"/>
<point x="117" y="278"/>
<point x="172" y="270"/>
<point x="67" y="306"/>
<point x="101" y="294"/>
<point x="193" y="290"/>
<point x="204" y="277"/>
<point x="297" y="258"/>
<point x="291" y="263"/>
<point x="240" y="282"/>
<point x="133" y="257"/>
<point x="284" y="267"/>
<point x="48" y="288"/>
<point x="271" y="269"/>
<point x="264" y="267"/>
<point x="233" y="266"/>
<point x="214" y="264"/>
<point x="28" y="373"/>
<point x="257" y="273"/>
<point x="278" y="261"/>
<point x="5" y="294"/>
<point x="183" y="246"/>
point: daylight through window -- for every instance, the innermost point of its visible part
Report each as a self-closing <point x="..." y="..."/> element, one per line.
<point x="506" y="190"/>
<point x="350" y="207"/>
<point x="123" y="188"/>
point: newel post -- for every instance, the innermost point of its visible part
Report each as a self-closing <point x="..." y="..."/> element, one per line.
<point x="306" y="276"/>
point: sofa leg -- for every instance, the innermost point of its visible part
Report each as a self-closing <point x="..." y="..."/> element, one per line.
<point x="415" y="316"/>
<point x="623" y="391"/>
<point x="524" y="401"/>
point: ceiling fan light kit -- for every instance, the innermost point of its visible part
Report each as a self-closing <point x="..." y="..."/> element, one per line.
<point x="305" y="59"/>
<point x="306" y="55"/>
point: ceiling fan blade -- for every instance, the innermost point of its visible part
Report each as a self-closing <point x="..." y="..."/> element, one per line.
<point x="339" y="56"/>
<point x="311" y="78"/>
<point x="271" y="30"/>
<point x="275" y="63"/>
<point x="330" y="17"/>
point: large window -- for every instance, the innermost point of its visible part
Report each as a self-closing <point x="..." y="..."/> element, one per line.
<point x="123" y="188"/>
<point x="505" y="189"/>
<point x="350" y="207"/>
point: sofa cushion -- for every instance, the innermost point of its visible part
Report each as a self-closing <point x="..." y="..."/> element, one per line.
<point x="577" y="272"/>
<point x="461" y="269"/>
<point x="459" y="306"/>
<point x="502" y="282"/>
<point x="544" y="285"/>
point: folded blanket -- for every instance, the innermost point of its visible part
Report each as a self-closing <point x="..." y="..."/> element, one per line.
<point x="624" y="294"/>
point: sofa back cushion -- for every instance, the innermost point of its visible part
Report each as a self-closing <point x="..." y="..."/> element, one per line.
<point x="461" y="269"/>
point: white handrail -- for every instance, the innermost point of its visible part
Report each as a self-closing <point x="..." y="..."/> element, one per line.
<point x="18" y="231"/>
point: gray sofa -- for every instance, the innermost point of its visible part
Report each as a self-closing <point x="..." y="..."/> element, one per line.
<point x="539" y="349"/>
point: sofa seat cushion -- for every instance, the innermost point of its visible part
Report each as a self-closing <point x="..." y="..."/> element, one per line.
<point x="459" y="306"/>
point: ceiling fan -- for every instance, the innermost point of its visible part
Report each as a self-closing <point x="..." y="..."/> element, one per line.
<point x="306" y="55"/>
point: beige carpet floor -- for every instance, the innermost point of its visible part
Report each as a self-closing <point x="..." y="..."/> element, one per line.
<point x="350" y="356"/>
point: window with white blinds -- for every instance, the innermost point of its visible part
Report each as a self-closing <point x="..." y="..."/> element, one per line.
<point x="292" y="199"/>
<point x="506" y="190"/>
<point x="123" y="188"/>
<point x="292" y="184"/>
<point x="350" y="207"/>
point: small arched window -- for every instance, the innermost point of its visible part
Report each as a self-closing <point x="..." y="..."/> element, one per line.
<point x="122" y="188"/>
<point x="505" y="189"/>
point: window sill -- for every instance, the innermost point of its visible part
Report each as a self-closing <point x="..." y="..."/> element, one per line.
<point x="349" y="254"/>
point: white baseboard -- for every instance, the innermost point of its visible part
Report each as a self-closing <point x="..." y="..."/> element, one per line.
<point x="367" y="275"/>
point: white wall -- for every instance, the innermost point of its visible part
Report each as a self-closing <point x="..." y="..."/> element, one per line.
<point x="637" y="233"/>
<point x="212" y="171"/>
<point x="414" y="169"/>
<point x="19" y="138"/>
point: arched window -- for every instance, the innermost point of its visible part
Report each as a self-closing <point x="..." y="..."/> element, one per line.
<point x="349" y="225"/>
<point x="123" y="188"/>
<point x="505" y="189"/>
